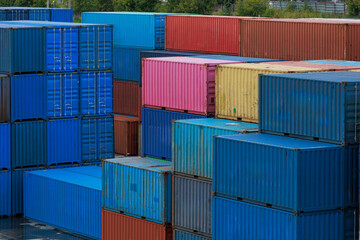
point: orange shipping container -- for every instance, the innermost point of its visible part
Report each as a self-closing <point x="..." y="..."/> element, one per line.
<point x="126" y="132"/>
<point x="127" y="98"/>
<point x="116" y="226"/>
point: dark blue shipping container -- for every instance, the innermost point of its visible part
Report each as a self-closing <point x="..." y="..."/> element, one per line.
<point x="181" y="235"/>
<point x="156" y="126"/>
<point x="63" y="141"/>
<point x="286" y="173"/>
<point x="28" y="144"/>
<point x="96" y="93"/>
<point x="61" y="15"/>
<point x="17" y="13"/>
<point x="63" y="95"/>
<point x="239" y="220"/>
<point x="5" y="148"/>
<point x="5" y="101"/>
<point x="40" y="14"/>
<point x="97" y="138"/>
<point x="5" y="193"/>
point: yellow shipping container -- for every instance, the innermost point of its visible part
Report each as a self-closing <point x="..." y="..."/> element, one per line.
<point x="237" y="88"/>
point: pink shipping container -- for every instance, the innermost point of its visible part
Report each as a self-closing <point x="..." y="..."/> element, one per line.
<point x="180" y="84"/>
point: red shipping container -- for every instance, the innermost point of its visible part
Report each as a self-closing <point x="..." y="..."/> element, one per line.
<point x="325" y="67"/>
<point x="127" y="98"/>
<point x="116" y="226"/>
<point x="126" y="134"/>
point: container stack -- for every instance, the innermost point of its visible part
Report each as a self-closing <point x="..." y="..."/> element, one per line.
<point x="36" y="14"/>
<point x="136" y="199"/>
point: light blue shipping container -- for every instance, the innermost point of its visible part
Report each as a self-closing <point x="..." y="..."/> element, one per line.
<point x="132" y="29"/>
<point x="22" y="49"/>
<point x="97" y="138"/>
<point x="286" y="173"/>
<point x="192" y="142"/>
<point x="156" y="127"/>
<point x="319" y="106"/>
<point x="5" y="147"/>
<point x="65" y="199"/>
<point x="239" y="220"/>
<point x="236" y="58"/>
<point x="28" y="144"/>
<point x="337" y="62"/>
<point x="181" y="235"/>
<point x="63" y="141"/>
<point x="5" y="193"/>
<point x="96" y="93"/>
<point x="139" y="187"/>
<point x="63" y="95"/>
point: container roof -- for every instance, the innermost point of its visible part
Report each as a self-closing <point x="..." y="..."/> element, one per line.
<point x="271" y="67"/>
<point x="143" y="163"/>
<point x="306" y="20"/>
<point x="222" y="124"/>
<point x="236" y="58"/>
<point x="336" y="62"/>
<point x="191" y="60"/>
<point x="322" y="66"/>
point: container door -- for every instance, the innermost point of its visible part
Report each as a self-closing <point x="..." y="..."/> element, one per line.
<point x="54" y="95"/>
<point x="87" y="47"/>
<point x="105" y="93"/>
<point x="104" y="47"/>
<point x="71" y="92"/>
<point x="88" y="140"/>
<point x="70" y="49"/>
<point x="88" y="93"/>
<point x="105" y="138"/>
<point x="53" y="49"/>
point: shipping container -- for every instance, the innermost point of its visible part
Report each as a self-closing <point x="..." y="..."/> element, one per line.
<point x="63" y="95"/>
<point x="5" y="98"/>
<point x="336" y="62"/>
<point x="5" y="147"/>
<point x="127" y="98"/>
<point x="181" y="84"/>
<point x="192" y="209"/>
<point x="22" y="49"/>
<point x="156" y="130"/>
<point x="140" y="141"/>
<point x="239" y="220"/>
<point x="139" y="187"/>
<point x="317" y="106"/>
<point x="132" y="29"/>
<point x="182" y="235"/>
<point x="34" y="13"/>
<point x="123" y="227"/>
<point x="237" y="88"/>
<point x="280" y="172"/>
<point x="16" y="13"/>
<point x="40" y="14"/>
<point x="65" y="199"/>
<point x="61" y="15"/>
<point x="126" y="132"/>
<point x="96" y="93"/>
<point x="322" y="66"/>
<point x="192" y="142"/>
<point x="63" y="141"/>
<point x="97" y="138"/>
<point x="5" y="193"/>
<point x="236" y="58"/>
<point x="28" y="144"/>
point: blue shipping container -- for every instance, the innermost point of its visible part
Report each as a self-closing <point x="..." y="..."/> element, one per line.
<point x="156" y="126"/>
<point x="238" y="220"/>
<point x="5" y="98"/>
<point x="28" y="144"/>
<point x="237" y="59"/>
<point x="96" y="93"/>
<point x="97" y="138"/>
<point x="192" y="142"/>
<point x="192" y="208"/>
<point x="286" y="173"/>
<point x="5" y="193"/>
<point x="139" y="187"/>
<point x="63" y="141"/>
<point x="132" y="29"/>
<point x="39" y="14"/>
<point x="65" y="199"/>
<point x="17" y="13"/>
<point x="22" y="49"/>
<point x="61" y="15"/>
<point x="337" y="62"/>
<point x="181" y="235"/>
<point x="318" y="106"/>
<point x="5" y="147"/>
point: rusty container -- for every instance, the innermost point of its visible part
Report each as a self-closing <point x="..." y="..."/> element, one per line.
<point x="127" y="98"/>
<point x="126" y="131"/>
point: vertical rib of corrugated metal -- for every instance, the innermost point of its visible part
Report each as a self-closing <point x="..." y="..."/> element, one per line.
<point x="5" y="99"/>
<point x="182" y="235"/>
<point x="5" y="193"/>
<point x="127" y="99"/>
<point x="39" y="14"/>
<point x="156" y="126"/>
<point x="192" y="208"/>
<point x="5" y="147"/>
<point x="63" y="137"/>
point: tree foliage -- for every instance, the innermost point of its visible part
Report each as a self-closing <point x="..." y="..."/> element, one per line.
<point x="136" y="5"/>
<point x="190" y="6"/>
<point x="353" y="7"/>
<point x="253" y="8"/>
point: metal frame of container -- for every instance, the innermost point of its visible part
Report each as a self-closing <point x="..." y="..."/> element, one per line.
<point x="5" y="193"/>
<point x="5" y="146"/>
<point x="126" y="135"/>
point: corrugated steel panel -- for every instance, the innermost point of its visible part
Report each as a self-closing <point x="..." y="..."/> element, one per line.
<point x="123" y="227"/>
<point x="5" y="101"/>
<point x="28" y="144"/>
<point x="139" y="187"/>
<point x="64" y="199"/>
<point x="321" y="106"/>
<point x="41" y="14"/>
<point x="13" y="14"/>
<point x="140" y="141"/>
<point x="5" y="193"/>
<point x="63" y="95"/>
<point x="286" y="173"/>
<point x="22" y="49"/>
<point x="181" y="235"/>
<point x="2" y="15"/>
<point x="237" y="88"/>
<point x="192" y="208"/>
<point x="236" y="58"/>
<point x="238" y="220"/>
<point x="323" y="66"/>
<point x="132" y="29"/>
<point x="336" y="62"/>
<point x="126" y="132"/>
<point x="127" y="99"/>
<point x="180" y="84"/>
<point x="63" y="141"/>
<point x="192" y="142"/>
<point x="96" y="93"/>
<point x="5" y="147"/>
<point x="156" y="126"/>
<point x="97" y="138"/>
<point x="61" y="15"/>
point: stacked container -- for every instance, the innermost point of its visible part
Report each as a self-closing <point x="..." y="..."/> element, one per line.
<point x="37" y="14"/>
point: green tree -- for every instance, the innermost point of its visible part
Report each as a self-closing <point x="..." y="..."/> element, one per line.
<point x="105" y="5"/>
<point x="252" y="8"/>
<point x="191" y="6"/>
<point x="136" y="5"/>
<point x="6" y="3"/>
<point x="39" y="3"/>
<point x="353" y="7"/>
<point x="85" y="6"/>
<point x="23" y="3"/>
